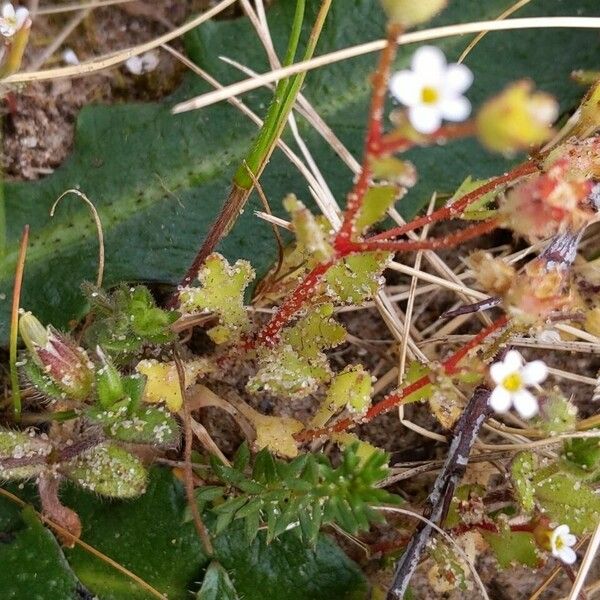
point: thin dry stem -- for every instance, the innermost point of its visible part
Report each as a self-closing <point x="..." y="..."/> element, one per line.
<point x="203" y="533"/>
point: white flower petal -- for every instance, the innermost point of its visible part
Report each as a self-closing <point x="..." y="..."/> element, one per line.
<point x="513" y="360"/>
<point x="455" y="109"/>
<point x="534" y="372"/>
<point x="499" y="372"/>
<point x="69" y="57"/>
<point x="525" y="403"/>
<point x="567" y="555"/>
<point x="570" y="539"/>
<point x="458" y="79"/>
<point x="149" y="61"/>
<point x="429" y="63"/>
<point x="8" y="11"/>
<point x="134" y="65"/>
<point x="21" y="16"/>
<point x="500" y="399"/>
<point x="405" y="87"/>
<point x="425" y="119"/>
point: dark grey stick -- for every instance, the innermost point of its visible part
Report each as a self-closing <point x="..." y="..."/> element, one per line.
<point x="438" y="502"/>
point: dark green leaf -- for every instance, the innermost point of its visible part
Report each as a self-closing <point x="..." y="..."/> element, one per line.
<point x="33" y="565"/>
<point x="217" y="585"/>
<point x="242" y="457"/>
<point x="151" y="537"/>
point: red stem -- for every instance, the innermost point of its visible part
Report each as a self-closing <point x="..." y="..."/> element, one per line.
<point x="374" y="134"/>
<point x="396" y="398"/>
<point x="456" y="209"/>
<point x="268" y="336"/>
<point x="393" y="143"/>
<point x="448" y="241"/>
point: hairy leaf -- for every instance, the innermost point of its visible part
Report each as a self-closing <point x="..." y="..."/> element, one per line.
<point x="222" y="288"/>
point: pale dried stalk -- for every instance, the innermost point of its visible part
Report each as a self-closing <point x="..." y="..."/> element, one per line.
<point x="361" y="49"/>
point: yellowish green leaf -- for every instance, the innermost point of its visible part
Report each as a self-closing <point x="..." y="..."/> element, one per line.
<point x="222" y="288"/>
<point x="350" y="389"/>
<point x="162" y="380"/>
<point x="356" y="278"/>
<point x="376" y="202"/>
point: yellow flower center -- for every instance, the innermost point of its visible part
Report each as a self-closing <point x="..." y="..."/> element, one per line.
<point x="513" y="382"/>
<point x="559" y="543"/>
<point x="429" y="95"/>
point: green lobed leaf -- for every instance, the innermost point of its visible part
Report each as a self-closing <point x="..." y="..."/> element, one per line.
<point x="357" y="278"/>
<point x="222" y="288"/>
<point x="522" y="470"/>
<point x="513" y="547"/>
<point x="158" y="180"/>
<point x="569" y="501"/>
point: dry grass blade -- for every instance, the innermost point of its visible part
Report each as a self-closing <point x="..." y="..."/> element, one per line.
<point x="370" y="47"/>
<point x="509" y="11"/>
<point x="203" y="533"/>
<point x="14" y="324"/>
<point x="59" y="39"/>
<point x="98" y="223"/>
<point x="63" y="8"/>
<point x="105" y="62"/>
<point x="586" y="564"/>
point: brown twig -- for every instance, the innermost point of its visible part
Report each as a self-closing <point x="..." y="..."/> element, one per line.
<point x="438" y="502"/>
<point x="203" y="533"/>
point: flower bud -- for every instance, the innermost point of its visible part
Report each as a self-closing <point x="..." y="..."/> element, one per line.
<point x="516" y="119"/>
<point x="22" y="455"/>
<point x="552" y="202"/>
<point x="494" y="275"/>
<point x="108" y="470"/>
<point x="589" y="119"/>
<point x="409" y="13"/>
<point x="109" y="385"/>
<point x="66" y="365"/>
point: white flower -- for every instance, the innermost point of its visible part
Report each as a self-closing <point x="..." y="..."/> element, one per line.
<point x="561" y="542"/>
<point x="432" y="90"/>
<point x="12" y="20"/>
<point x="142" y="64"/>
<point x="511" y="377"/>
<point x="69" y="57"/>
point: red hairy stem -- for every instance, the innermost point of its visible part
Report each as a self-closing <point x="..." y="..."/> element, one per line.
<point x="374" y="132"/>
<point x="456" y="209"/>
<point x="394" y="143"/>
<point x="392" y="400"/>
<point x="269" y="334"/>
<point x="448" y="241"/>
